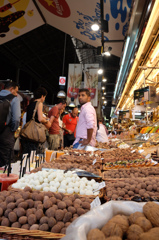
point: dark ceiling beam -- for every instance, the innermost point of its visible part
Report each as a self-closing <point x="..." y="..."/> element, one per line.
<point x="24" y="42"/>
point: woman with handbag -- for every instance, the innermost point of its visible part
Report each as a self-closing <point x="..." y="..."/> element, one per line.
<point x="36" y="119"/>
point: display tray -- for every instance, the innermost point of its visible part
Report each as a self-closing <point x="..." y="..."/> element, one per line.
<point x="100" y="195"/>
<point x="20" y="234"/>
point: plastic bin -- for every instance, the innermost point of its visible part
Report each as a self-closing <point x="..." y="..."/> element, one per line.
<point x="6" y="181"/>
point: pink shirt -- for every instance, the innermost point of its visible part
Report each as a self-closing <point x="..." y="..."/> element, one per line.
<point x="87" y="120"/>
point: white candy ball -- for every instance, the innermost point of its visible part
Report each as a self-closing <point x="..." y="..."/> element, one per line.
<point x="46" y="180"/>
<point x="53" y="189"/>
<point x="41" y="179"/>
<point x="76" y="189"/>
<point x="45" y="185"/>
<point x="57" y="184"/>
<point x="38" y="187"/>
<point x="76" y="184"/>
<point x="71" y="184"/>
<point x="60" y="178"/>
<point x="52" y="183"/>
<point x="89" y="192"/>
<point x="46" y="189"/>
<point x="61" y="190"/>
<point x="89" y="187"/>
<point x="82" y="192"/>
<point x="70" y="190"/>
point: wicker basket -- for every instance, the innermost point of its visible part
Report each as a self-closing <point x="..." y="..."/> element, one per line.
<point x="21" y="234"/>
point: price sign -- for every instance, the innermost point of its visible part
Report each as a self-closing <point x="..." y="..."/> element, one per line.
<point x="132" y="151"/>
<point x="148" y="156"/>
<point x="95" y="160"/>
<point x="95" y="203"/>
<point x="62" y="81"/>
<point x="100" y="186"/>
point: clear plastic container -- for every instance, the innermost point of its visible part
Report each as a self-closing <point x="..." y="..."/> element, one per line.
<point x="6" y="181"/>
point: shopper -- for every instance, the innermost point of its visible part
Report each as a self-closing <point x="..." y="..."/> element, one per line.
<point x="54" y="131"/>
<point x="7" y="140"/>
<point x="101" y="132"/>
<point x="39" y="97"/>
<point x="87" y="124"/>
<point x="70" y="120"/>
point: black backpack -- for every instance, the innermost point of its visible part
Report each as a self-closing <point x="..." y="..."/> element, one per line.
<point x="4" y="109"/>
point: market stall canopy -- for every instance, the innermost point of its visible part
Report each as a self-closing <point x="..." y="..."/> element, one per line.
<point x="76" y="17"/>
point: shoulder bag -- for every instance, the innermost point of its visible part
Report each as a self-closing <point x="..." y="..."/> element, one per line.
<point x="34" y="131"/>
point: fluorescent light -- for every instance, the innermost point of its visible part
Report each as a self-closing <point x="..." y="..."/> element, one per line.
<point x="122" y="63"/>
<point x="104" y="80"/>
<point x="100" y="71"/>
<point x="155" y="74"/>
<point x="157" y="52"/>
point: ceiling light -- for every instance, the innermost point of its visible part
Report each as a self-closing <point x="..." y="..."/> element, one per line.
<point x="103" y="97"/>
<point x="107" y="54"/>
<point x="95" y="25"/>
<point x="61" y="94"/>
<point x="104" y="80"/>
<point x="105" y="93"/>
<point x="105" y="102"/>
<point x="100" y="71"/>
<point x="103" y="88"/>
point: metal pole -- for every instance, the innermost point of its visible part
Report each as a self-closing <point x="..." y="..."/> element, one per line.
<point x="102" y="18"/>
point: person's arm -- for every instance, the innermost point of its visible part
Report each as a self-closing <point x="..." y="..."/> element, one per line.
<point x="43" y="119"/>
<point x="89" y="137"/>
<point x="15" y="114"/>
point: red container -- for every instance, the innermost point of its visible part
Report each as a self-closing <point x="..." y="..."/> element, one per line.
<point x="6" y="181"/>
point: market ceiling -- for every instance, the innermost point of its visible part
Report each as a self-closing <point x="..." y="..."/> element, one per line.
<point x="33" y="49"/>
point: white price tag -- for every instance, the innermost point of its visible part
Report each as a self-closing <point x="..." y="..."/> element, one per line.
<point x="154" y="162"/>
<point x="133" y="151"/>
<point x="148" y="156"/>
<point x="95" y="160"/>
<point x="140" y="151"/>
<point x="96" y="202"/>
<point x="100" y="186"/>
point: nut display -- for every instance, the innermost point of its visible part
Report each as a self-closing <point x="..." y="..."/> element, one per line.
<point x="55" y="182"/>
<point x="132" y="173"/>
<point x="129" y="188"/>
<point x="54" y="217"/>
<point x="137" y="226"/>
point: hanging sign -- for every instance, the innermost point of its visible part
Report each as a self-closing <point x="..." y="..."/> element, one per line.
<point x="62" y="81"/>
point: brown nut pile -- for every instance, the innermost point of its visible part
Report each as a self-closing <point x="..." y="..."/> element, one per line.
<point x="120" y="155"/>
<point x="66" y="162"/>
<point x="37" y="210"/>
<point x="132" y="173"/>
<point x="137" y="226"/>
<point x="148" y="187"/>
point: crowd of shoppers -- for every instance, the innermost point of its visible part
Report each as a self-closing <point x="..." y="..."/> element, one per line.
<point x="62" y="132"/>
